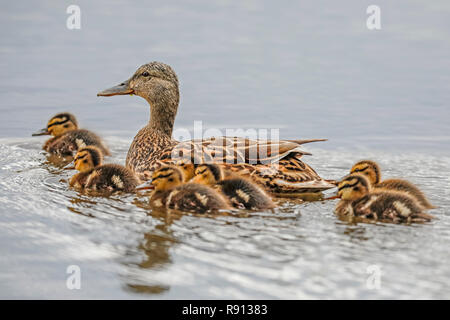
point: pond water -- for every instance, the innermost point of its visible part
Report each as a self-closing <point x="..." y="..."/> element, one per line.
<point x="311" y="70"/>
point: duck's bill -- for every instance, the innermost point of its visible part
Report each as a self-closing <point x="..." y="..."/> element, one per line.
<point x="42" y="132"/>
<point x="121" y="89"/>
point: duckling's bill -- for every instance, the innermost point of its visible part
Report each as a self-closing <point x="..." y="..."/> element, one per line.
<point x="332" y="195"/>
<point x="145" y="186"/>
<point x="42" y="132"/>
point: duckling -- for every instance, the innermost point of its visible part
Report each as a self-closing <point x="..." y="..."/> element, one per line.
<point x="359" y="199"/>
<point x="372" y="171"/>
<point x="241" y="192"/>
<point x="67" y="138"/>
<point x="94" y="175"/>
<point x="170" y="192"/>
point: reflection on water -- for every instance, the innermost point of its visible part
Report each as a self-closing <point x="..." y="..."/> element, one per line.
<point x="156" y="247"/>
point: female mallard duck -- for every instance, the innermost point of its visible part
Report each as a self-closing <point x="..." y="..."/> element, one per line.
<point x="67" y="138"/>
<point x="170" y="192"/>
<point x="359" y="199"/>
<point x="241" y="192"/>
<point x="372" y="171"/>
<point x="274" y="164"/>
<point x="96" y="176"/>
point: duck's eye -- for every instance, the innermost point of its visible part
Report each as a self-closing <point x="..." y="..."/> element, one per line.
<point x="145" y="74"/>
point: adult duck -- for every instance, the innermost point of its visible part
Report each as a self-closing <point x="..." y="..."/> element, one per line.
<point x="276" y="165"/>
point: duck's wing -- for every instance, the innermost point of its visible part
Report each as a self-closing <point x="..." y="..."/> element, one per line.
<point x="275" y="165"/>
<point x="235" y="150"/>
<point x="290" y="176"/>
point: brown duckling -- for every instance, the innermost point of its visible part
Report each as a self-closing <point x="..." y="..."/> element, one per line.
<point x="359" y="199"/>
<point x="372" y="171"/>
<point x="96" y="176"/>
<point x="67" y="138"/>
<point x="170" y="192"/>
<point x="241" y="192"/>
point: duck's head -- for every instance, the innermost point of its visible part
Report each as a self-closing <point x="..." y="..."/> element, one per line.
<point x="167" y="178"/>
<point x="58" y="125"/>
<point x="157" y="83"/>
<point x="353" y="187"/>
<point x="88" y="158"/>
<point x="208" y="173"/>
<point x="368" y="168"/>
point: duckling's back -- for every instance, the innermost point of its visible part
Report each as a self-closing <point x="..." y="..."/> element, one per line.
<point x="112" y="177"/>
<point x="392" y="205"/>
<point x="195" y="198"/>
<point x="79" y="180"/>
<point x="71" y="141"/>
<point x="242" y="192"/>
<point x="409" y="188"/>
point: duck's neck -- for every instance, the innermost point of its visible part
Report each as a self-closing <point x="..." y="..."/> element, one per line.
<point x="162" y="116"/>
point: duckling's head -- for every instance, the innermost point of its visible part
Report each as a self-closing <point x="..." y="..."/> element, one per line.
<point x="167" y="178"/>
<point x="157" y="83"/>
<point x="188" y="170"/>
<point x="88" y="158"/>
<point x="59" y="124"/>
<point x="353" y="187"/>
<point x="208" y="173"/>
<point x="368" y="168"/>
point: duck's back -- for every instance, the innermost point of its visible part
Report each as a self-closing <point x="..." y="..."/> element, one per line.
<point x="71" y="141"/>
<point x="195" y="198"/>
<point x="112" y="177"/>
<point x="408" y="187"/>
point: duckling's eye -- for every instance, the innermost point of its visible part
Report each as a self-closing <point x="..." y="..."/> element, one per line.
<point x="145" y="74"/>
<point x="356" y="188"/>
<point x="66" y="126"/>
<point x="85" y="161"/>
<point x="171" y="179"/>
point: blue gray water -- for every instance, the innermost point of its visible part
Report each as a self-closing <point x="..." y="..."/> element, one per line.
<point x="312" y="70"/>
